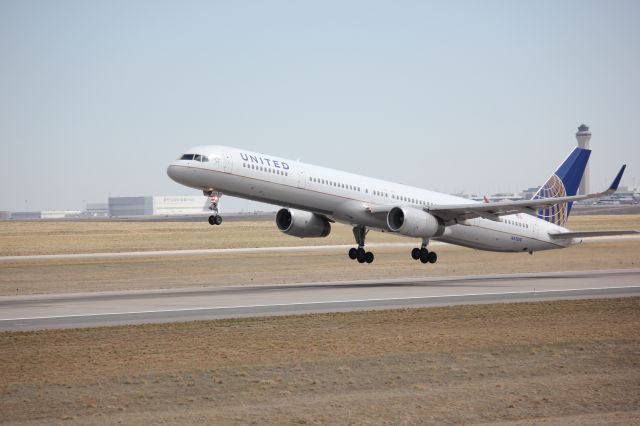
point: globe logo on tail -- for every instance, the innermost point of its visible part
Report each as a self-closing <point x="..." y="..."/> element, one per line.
<point x="557" y="213"/>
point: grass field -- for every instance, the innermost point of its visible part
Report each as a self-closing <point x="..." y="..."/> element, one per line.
<point x="27" y="238"/>
<point x="81" y="275"/>
<point x="569" y="362"/>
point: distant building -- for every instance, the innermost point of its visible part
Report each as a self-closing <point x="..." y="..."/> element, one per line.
<point x="494" y="198"/>
<point x="4" y="215"/>
<point x="528" y="193"/>
<point x="25" y="215"/>
<point x="130" y="206"/>
<point x="182" y="204"/>
<point x="96" y="210"/>
<point x="584" y="137"/>
<point x="157" y="205"/>
<point x="59" y="214"/>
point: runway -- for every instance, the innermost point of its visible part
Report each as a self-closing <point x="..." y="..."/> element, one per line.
<point x="137" y="307"/>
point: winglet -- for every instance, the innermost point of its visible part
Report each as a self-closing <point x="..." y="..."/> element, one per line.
<point x="616" y="181"/>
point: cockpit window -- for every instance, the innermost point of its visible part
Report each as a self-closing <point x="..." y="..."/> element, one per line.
<point x="195" y="157"/>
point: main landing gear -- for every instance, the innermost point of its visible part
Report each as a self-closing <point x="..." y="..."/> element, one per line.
<point x="424" y="255"/>
<point x="214" y="198"/>
<point x="359" y="253"/>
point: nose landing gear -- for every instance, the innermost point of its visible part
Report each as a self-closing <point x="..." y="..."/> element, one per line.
<point x="215" y="220"/>
<point x="214" y="199"/>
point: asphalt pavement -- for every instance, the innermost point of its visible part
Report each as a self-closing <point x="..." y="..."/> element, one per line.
<point x="137" y="307"/>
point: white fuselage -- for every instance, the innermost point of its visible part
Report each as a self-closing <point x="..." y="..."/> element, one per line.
<point x="349" y="198"/>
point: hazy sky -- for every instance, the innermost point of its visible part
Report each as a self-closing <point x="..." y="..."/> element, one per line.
<point x="96" y="98"/>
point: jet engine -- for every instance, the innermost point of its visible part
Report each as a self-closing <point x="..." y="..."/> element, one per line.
<point x="414" y="223"/>
<point x="302" y="224"/>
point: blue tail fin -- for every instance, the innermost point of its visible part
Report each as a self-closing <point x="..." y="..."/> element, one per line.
<point x="563" y="183"/>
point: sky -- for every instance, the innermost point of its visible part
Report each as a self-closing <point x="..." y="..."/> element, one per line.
<point x="98" y="97"/>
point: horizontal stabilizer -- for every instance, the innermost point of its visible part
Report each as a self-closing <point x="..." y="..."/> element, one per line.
<point x="587" y="234"/>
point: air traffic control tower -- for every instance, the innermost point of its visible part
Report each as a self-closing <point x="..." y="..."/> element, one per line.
<point x="584" y="136"/>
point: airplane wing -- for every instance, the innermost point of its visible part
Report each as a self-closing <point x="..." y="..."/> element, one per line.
<point x="460" y="212"/>
<point x="587" y="234"/>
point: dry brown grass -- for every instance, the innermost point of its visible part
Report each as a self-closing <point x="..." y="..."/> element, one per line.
<point x="571" y="361"/>
<point x="25" y="238"/>
<point x="53" y="276"/>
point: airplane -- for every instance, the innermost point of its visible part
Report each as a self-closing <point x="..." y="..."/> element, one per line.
<point x="314" y="197"/>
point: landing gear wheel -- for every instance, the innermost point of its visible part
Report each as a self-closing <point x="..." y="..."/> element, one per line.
<point x="432" y="257"/>
<point x="359" y="253"/>
<point x="368" y="257"/>
<point x="424" y="255"/>
<point x="214" y="198"/>
<point x="353" y="253"/>
<point x="415" y="253"/>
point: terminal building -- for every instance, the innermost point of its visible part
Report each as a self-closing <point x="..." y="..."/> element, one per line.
<point x="161" y="205"/>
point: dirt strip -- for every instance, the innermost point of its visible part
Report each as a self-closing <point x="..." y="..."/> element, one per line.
<point x="565" y="362"/>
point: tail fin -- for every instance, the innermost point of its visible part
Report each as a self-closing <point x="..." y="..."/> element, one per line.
<point x="563" y="183"/>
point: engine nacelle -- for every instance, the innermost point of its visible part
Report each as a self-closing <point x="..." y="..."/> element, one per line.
<point x="414" y="223"/>
<point x="302" y="224"/>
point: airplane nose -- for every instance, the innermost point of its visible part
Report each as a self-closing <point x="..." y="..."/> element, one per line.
<point x="172" y="172"/>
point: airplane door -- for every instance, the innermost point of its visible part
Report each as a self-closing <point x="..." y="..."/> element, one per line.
<point x="301" y="180"/>
<point x="228" y="163"/>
